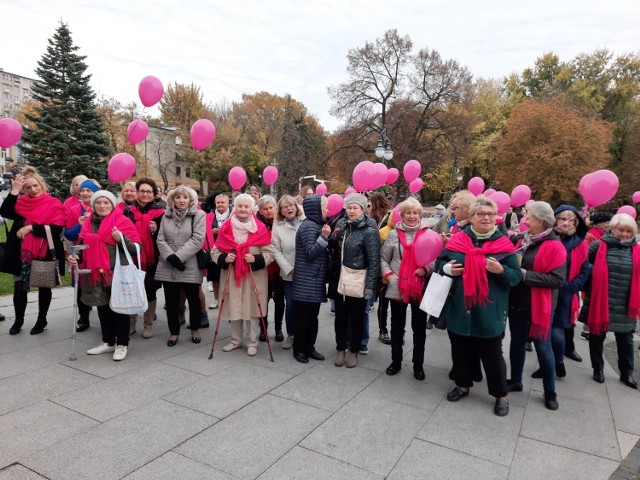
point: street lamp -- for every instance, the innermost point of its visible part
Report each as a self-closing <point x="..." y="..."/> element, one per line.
<point x="384" y="146"/>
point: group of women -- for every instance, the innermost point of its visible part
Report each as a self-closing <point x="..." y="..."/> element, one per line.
<point x="268" y="249"/>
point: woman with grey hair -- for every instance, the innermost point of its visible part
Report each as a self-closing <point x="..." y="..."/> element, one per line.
<point x="533" y="300"/>
<point x="180" y="237"/>
<point x="242" y="251"/>
<point x="289" y="217"/>
<point x="613" y="301"/>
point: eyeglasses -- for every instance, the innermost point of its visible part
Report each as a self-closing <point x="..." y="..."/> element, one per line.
<point x="145" y="192"/>
<point x="485" y="214"/>
<point x="565" y="220"/>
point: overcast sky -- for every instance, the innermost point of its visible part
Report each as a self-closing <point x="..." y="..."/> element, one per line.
<point x="299" y="47"/>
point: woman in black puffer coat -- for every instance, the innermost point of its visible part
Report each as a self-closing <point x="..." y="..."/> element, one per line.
<point x="357" y="244"/>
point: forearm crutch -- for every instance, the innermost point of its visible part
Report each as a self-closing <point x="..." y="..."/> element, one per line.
<point x="224" y="296"/>
<point x="264" y="327"/>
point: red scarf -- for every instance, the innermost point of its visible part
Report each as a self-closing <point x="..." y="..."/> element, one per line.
<point x="96" y="257"/>
<point x="71" y="201"/>
<point x="41" y="210"/>
<point x="410" y="284"/>
<point x="550" y="256"/>
<point x="474" y="276"/>
<point x="598" y="319"/>
<point x="579" y="254"/>
<point x="74" y="212"/>
<point x="226" y="243"/>
<point x="594" y="234"/>
<point x="141" y="222"/>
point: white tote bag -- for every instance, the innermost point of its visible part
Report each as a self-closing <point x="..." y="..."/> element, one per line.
<point x="435" y="296"/>
<point x="128" y="295"/>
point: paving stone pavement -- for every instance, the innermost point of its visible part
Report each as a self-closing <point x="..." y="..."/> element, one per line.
<point x="170" y="413"/>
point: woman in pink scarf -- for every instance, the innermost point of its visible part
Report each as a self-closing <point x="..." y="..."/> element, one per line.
<point x="27" y="240"/>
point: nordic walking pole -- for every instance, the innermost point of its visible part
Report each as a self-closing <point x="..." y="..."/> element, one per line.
<point x="264" y="326"/>
<point x="224" y="295"/>
<point x="74" y="249"/>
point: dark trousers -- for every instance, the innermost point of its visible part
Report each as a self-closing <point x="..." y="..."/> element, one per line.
<point x="383" y="305"/>
<point x="306" y="326"/>
<point x="349" y="315"/>
<point x="569" y="346"/>
<point x="20" y="301"/>
<point x="418" y="325"/>
<point x="150" y="284"/>
<point x="624" y="342"/>
<point x="172" y="300"/>
<point x="276" y="292"/>
<point x="83" y="309"/>
<point x="115" y="326"/>
<point x="519" y="326"/>
<point x="464" y="350"/>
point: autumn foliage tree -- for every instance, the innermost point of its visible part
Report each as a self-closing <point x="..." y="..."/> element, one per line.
<point x="549" y="146"/>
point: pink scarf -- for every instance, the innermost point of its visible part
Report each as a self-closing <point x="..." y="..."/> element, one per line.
<point x="598" y="319"/>
<point x="474" y="276"/>
<point x="141" y="222"/>
<point x="410" y="284"/>
<point x="579" y="254"/>
<point x="41" y="210"/>
<point x="550" y="256"/>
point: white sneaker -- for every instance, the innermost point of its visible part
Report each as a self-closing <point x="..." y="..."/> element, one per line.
<point x="213" y="305"/>
<point x="120" y="353"/>
<point x="104" y="348"/>
<point x="210" y="286"/>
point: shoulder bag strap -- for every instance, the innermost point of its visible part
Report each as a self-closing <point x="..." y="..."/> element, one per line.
<point x="52" y="249"/>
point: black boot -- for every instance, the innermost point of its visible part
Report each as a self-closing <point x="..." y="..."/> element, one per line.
<point x="40" y="325"/>
<point x="15" y="328"/>
<point x="20" y="306"/>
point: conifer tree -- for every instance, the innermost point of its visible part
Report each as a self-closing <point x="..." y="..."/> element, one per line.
<point x="64" y="137"/>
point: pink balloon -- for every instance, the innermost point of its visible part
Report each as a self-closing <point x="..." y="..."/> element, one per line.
<point x="364" y="176"/>
<point x="476" y="185"/>
<point x="488" y="192"/>
<point x="150" y="90"/>
<point x="270" y="175"/>
<point x="237" y="177"/>
<point x="137" y="131"/>
<point x="629" y="210"/>
<point x="334" y="204"/>
<point x="428" y="247"/>
<point x="416" y="185"/>
<point x="520" y="195"/>
<point x="203" y="132"/>
<point x="395" y="215"/>
<point x="503" y="201"/>
<point x="10" y="132"/>
<point x="411" y="170"/>
<point x="349" y="191"/>
<point x="321" y="189"/>
<point x="121" y="167"/>
<point x="600" y="187"/>
<point x="523" y="225"/>
<point x="636" y="197"/>
<point x="392" y="175"/>
<point x="582" y="184"/>
<point x="381" y="175"/>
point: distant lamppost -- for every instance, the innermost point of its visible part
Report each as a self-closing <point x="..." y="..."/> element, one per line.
<point x="383" y="150"/>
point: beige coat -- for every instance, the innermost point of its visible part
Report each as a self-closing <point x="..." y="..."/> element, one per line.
<point x="240" y="303"/>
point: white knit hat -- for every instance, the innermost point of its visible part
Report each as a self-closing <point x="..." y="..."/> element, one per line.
<point x="103" y="193"/>
<point x="356" y="198"/>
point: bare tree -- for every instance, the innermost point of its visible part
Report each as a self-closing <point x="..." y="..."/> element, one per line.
<point x="160" y="149"/>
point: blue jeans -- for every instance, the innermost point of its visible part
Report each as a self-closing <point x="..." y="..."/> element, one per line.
<point x="557" y="343"/>
<point x="519" y="324"/>
<point x="288" y="307"/>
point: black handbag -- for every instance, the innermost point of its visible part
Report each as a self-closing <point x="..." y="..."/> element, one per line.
<point x="203" y="256"/>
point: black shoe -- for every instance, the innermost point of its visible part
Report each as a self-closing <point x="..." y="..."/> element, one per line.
<point x="629" y="381"/>
<point x="514" y="387"/>
<point x="561" y="372"/>
<point x="501" y="407"/>
<point x="38" y="327"/>
<point x="456" y="394"/>
<point x="301" y="357"/>
<point x="364" y="350"/>
<point x="537" y="373"/>
<point x="477" y="377"/>
<point x="393" y="369"/>
<point x="171" y="343"/>
<point x="528" y="347"/>
<point x="551" y="400"/>
<point x="2" y="317"/>
<point x="418" y="373"/>
<point x="82" y="325"/>
<point x="584" y="335"/>
<point x="15" y="328"/>
<point x="573" y="356"/>
<point x="262" y="337"/>
<point x="598" y="376"/>
<point x="315" y="355"/>
<point x="279" y="336"/>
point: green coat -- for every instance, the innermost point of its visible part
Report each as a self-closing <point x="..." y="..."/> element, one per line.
<point x="487" y="321"/>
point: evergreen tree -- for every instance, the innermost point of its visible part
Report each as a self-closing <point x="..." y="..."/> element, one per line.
<point x="66" y="135"/>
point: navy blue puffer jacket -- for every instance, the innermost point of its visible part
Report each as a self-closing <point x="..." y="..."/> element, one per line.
<point x="310" y="272"/>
